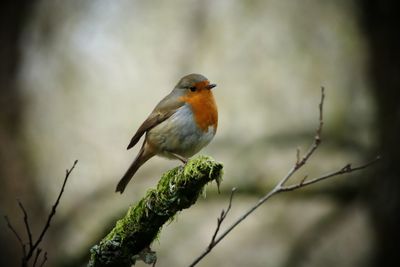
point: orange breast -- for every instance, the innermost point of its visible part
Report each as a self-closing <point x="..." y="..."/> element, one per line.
<point x="204" y="108"/>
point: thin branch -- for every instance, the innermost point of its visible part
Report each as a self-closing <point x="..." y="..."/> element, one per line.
<point x="317" y="141"/>
<point x="304" y="179"/>
<point x="346" y="169"/>
<point x="44" y="259"/>
<point x="220" y="219"/>
<point x="33" y="246"/>
<point x="317" y="138"/>
<point x="28" y="229"/>
<point x="14" y="231"/>
<point x="280" y="187"/>
<point x="297" y="156"/>
<point x="38" y="251"/>
<point x="53" y="211"/>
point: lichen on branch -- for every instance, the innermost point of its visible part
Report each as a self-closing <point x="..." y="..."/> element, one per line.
<point x="177" y="189"/>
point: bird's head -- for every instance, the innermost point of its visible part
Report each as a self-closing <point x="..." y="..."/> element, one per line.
<point x="194" y="83"/>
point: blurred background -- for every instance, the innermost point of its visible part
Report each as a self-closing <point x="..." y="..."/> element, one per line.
<point x="78" y="77"/>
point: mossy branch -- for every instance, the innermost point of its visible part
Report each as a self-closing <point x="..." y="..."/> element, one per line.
<point x="177" y="189"/>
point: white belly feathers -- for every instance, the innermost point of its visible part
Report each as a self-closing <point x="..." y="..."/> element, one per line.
<point x="179" y="134"/>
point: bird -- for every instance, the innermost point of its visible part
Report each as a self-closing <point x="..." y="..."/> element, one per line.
<point x="181" y="124"/>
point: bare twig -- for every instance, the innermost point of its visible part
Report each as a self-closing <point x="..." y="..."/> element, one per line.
<point x="28" y="229"/>
<point x="33" y="246"/>
<point x="280" y="187"/>
<point x="38" y="251"/>
<point x="304" y="179"/>
<point x="346" y="169"/>
<point x="297" y="155"/>
<point x="53" y="211"/>
<point x="44" y="259"/>
<point x="220" y="219"/>
<point x="14" y="231"/>
<point x="316" y="143"/>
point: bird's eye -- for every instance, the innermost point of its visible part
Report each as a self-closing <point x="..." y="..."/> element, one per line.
<point x="192" y="88"/>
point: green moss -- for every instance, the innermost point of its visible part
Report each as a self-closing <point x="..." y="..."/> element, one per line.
<point x="177" y="189"/>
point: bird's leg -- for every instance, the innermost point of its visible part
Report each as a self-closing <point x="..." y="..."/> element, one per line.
<point x="183" y="159"/>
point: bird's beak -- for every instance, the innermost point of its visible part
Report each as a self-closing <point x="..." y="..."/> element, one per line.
<point x="211" y="86"/>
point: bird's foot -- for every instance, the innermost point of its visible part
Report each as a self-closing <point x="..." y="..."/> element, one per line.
<point x="181" y="158"/>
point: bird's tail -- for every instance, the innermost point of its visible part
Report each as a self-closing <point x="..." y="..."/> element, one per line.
<point x="143" y="156"/>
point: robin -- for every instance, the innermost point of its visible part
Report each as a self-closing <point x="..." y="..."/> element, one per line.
<point x="180" y="125"/>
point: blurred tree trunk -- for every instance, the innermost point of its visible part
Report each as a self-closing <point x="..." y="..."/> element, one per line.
<point x="15" y="173"/>
<point x="380" y="20"/>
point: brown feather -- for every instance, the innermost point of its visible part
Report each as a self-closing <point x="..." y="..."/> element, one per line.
<point x="164" y="109"/>
<point x="144" y="155"/>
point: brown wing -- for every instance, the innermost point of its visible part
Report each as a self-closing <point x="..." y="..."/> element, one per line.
<point x="162" y="111"/>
